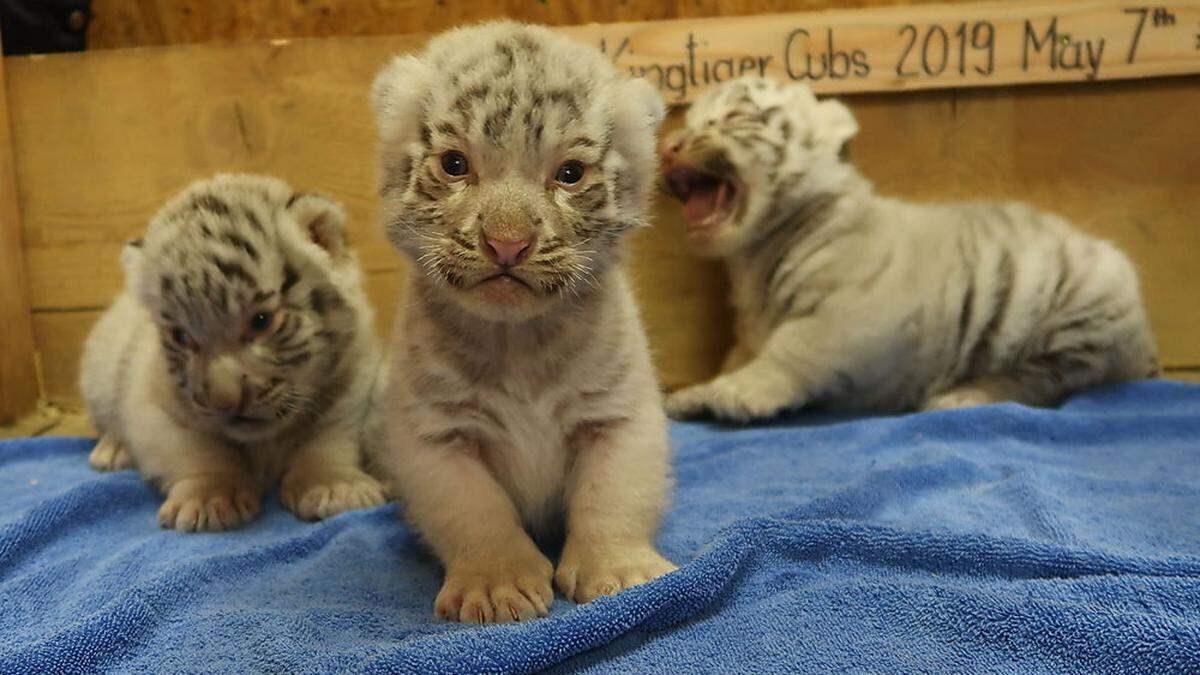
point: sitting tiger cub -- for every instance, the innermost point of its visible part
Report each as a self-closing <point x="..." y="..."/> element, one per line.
<point x="857" y="301"/>
<point x="514" y="162"/>
<point x="241" y="350"/>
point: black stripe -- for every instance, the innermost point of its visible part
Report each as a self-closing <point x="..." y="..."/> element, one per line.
<point x="982" y="351"/>
<point x="964" y="316"/>
<point x="883" y="267"/>
<point x="295" y="360"/>
<point x="289" y="278"/>
<point x="239" y="242"/>
<point x="232" y="270"/>
<point x="469" y="409"/>
<point x="495" y="124"/>
<point x="448" y="437"/>
<point x="252" y="218"/>
<point x="323" y="299"/>
<point x="211" y="204"/>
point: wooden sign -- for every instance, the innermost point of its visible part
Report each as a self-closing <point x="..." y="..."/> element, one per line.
<point x="911" y="47"/>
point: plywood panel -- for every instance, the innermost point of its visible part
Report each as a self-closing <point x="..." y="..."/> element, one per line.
<point x="97" y="151"/>
<point x="121" y="23"/>
<point x="18" y="376"/>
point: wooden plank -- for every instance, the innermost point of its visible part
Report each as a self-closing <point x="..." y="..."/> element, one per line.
<point x="906" y="48"/>
<point x="685" y="47"/>
<point x="18" y="373"/>
<point x="298" y="110"/>
<point x="120" y="23"/>
<point x="1184" y="375"/>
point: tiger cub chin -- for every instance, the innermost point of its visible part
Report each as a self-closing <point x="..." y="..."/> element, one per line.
<point x="851" y="300"/>
<point x="513" y="161"/>
<point x="240" y="352"/>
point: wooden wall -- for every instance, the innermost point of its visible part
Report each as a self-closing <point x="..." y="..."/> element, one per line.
<point x="126" y="23"/>
<point x="18" y="375"/>
<point x="101" y="139"/>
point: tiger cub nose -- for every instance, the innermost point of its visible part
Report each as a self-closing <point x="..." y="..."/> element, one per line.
<point x="233" y="402"/>
<point x="671" y="144"/>
<point x="507" y="253"/>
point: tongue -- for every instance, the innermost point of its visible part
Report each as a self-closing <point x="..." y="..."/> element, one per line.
<point x="700" y="204"/>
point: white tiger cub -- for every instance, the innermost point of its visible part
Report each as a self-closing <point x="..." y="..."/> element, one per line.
<point x="856" y="301"/>
<point x="240" y="351"/>
<point x="513" y="160"/>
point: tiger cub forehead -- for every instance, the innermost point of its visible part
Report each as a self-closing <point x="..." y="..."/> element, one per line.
<point x="223" y="248"/>
<point x="515" y="90"/>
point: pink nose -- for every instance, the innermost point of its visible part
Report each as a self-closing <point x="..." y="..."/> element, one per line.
<point x="671" y="144"/>
<point x="507" y="253"/>
<point x="233" y="405"/>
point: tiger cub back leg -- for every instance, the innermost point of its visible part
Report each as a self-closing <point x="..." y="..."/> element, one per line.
<point x="1072" y="361"/>
<point x="1025" y="386"/>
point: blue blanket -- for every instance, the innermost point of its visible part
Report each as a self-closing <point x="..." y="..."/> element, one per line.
<point x="1000" y="539"/>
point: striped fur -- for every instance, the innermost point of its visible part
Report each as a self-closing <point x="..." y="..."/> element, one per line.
<point x="240" y="351"/>
<point x="521" y="405"/>
<point x="851" y="300"/>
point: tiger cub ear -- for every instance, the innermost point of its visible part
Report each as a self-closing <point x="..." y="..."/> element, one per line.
<point x="647" y="103"/>
<point x="833" y="125"/>
<point x="131" y="260"/>
<point x="396" y="96"/>
<point x="322" y="220"/>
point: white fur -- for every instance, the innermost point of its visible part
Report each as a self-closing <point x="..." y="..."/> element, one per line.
<point x="213" y="473"/>
<point x="522" y="408"/>
<point x="852" y="300"/>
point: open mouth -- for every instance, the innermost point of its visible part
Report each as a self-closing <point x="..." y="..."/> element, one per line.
<point x="708" y="199"/>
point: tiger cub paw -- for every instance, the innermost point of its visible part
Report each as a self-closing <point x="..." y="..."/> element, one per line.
<point x="110" y="455"/>
<point x="316" y="495"/>
<point x="210" y="503"/>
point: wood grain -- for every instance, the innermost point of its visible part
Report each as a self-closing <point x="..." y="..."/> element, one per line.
<point x="98" y="149"/>
<point x="876" y="48"/>
<point x="121" y="23"/>
<point x="908" y="48"/>
<point x="18" y="373"/>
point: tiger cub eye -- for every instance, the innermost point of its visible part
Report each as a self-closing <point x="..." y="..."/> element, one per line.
<point x="454" y="163"/>
<point x="570" y="173"/>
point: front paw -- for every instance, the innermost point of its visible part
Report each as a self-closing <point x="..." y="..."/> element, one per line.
<point x="724" y="398"/>
<point x="585" y="573"/>
<point x="496" y="590"/>
<point x="689" y="402"/>
<point x="316" y="495"/>
<point x="210" y="504"/>
<point x="110" y="455"/>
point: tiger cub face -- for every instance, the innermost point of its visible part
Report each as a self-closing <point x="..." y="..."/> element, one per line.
<point x="512" y="161"/>
<point x="255" y="296"/>
<point x="750" y="150"/>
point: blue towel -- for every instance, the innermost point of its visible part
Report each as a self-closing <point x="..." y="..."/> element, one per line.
<point x="995" y="539"/>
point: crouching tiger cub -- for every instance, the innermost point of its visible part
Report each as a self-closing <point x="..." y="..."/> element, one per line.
<point x="240" y="352"/>
<point x="858" y="301"/>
